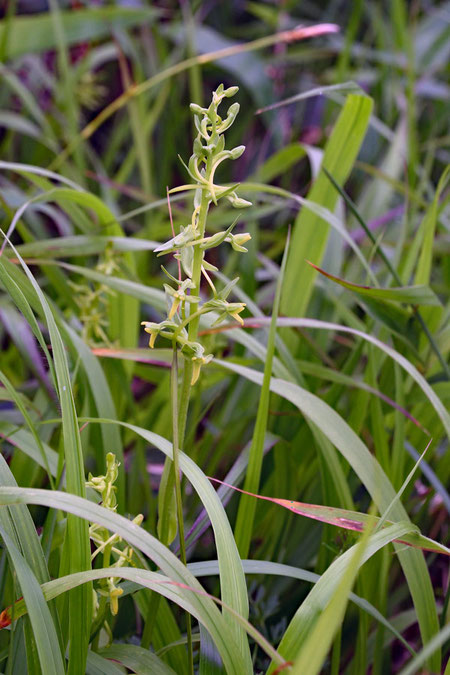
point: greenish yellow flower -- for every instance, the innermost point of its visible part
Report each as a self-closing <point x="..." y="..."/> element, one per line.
<point x="166" y="328"/>
<point x="198" y="362"/>
<point x="179" y="295"/>
<point x="227" y="309"/>
<point x="237" y="241"/>
<point x="153" y="329"/>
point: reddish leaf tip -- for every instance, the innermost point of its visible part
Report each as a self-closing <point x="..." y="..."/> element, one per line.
<point x="5" y="618"/>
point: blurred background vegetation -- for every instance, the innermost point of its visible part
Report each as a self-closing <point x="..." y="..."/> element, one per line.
<point x="99" y="93"/>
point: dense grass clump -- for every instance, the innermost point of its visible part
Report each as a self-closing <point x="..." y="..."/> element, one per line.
<point x="236" y="461"/>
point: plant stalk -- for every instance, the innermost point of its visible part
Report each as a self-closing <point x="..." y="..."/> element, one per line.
<point x="177" y="483"/>
<point x="193" y="325"/>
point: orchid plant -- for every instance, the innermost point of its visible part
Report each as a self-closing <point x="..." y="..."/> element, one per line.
<point x="114" y="554"/>
<point x="190" y="245"/>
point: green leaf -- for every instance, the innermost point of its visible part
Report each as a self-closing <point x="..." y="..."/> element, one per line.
<point x="279" y="162"/>
<point x="247" y="507"/>
<point x="35" y="33"/>
<point x="98" y="665"/>
<point x="247" y="340"/>
<point x="373" y="478"/>
<point x="24" y="441"/>
<point x="137" y="659"/>
<point x="414" y="295"/>
<point x="265" y="567"/>
<point x="19" y="404"/>
<point x="426" y="231"/>
<point x="318" y="640"/>
<point x="105" y="407"/>
<point x="415" y="664"/>
<point x="311" y="631"/>
<point x="76" y="554"/>
<point x="232" y="579"/>
<point x="44" y="631"/>
<point x="153" y="296"/>
<point x="343" y="87"/>
<point x="310" y="231"/>
<point x="182" y="582"/>
<point x="64" y="247"/>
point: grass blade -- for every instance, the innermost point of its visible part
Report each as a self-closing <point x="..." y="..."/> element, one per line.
<point x="247" y="507"/>
<point x="76" y="553"/>
<point x="44" y="631"/>
<point x="310" y="611"/>
<point x="375" y="480"/>
<point x="311" y="232"/>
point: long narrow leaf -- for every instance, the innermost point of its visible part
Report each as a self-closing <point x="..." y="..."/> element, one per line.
<point x="197" y="602"/>
<point x="415" y="295"/>
<point x="246" y="513"/>
<point x="373" y="478"/>
<point x="76" y="553"/>
<point x="311" y="232"/>
<point x="348" y="520"/>
<point x="44" y="631"/>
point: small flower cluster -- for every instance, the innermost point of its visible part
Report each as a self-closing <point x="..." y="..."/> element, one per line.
<point x="92" y="301"/>
<point x="190" y="245"/>
<point x="105" y="542"/>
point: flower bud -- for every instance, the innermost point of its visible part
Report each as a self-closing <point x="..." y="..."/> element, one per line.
<point x="233" y="110"/>
<point x="237" y="152"/>
<point x="238" y="202"/>
<point x="231" y="91"/>
<point x="197" y="109"/>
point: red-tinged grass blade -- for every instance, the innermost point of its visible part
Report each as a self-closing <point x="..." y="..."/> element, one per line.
<point x="157" y="357"/>
<point x="76" y="554"/>
<point x="349" y="520"/>
<point x="414" y="295"/>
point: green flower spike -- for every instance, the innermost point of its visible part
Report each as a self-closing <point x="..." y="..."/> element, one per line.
<point x="190" y="245"/>
<point x="106" y="543"/>
<point x="105" y="484"/>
